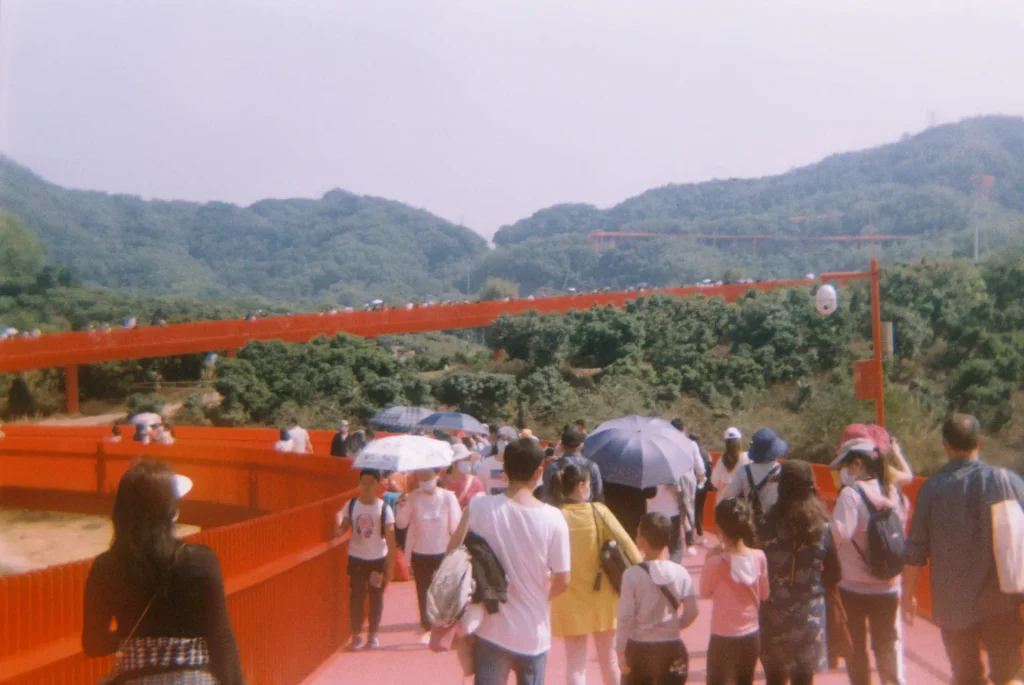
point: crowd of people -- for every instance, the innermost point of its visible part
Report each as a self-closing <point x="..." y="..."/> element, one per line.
<point x="557" y="553"/>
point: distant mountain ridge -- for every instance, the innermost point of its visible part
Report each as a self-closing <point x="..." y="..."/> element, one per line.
<point x="342" y="246"/>
<point x="350" y="248"/>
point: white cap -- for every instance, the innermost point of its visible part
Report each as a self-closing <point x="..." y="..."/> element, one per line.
<point x="182" y="486"/>
<point x="733" y="433"/>
<point x="855" y="446"/>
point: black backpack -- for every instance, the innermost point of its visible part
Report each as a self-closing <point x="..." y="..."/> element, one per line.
<point x="886" y="541"/>
<point x="754" y="496"/>
<point x="384" y="508"/>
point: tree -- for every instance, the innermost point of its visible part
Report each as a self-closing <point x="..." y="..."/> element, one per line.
<point x="497" y="289"/>
<point x="21" y="254"/>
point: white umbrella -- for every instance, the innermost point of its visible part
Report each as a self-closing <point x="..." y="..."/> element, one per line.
<point x="405" y="453"/>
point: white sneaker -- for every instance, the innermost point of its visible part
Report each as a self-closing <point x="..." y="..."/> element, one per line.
<point x="356" y="644"/>
<point x="425" y="638"/>
<point x="373" y="642"/>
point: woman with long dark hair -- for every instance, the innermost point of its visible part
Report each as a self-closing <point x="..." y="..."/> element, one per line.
<point x="802" y="565"/>
<point x="167" y="596"/>
<point x="732" y="458"/>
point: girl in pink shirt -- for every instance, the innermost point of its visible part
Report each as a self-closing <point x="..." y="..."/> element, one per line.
<point x="735" y="578"/>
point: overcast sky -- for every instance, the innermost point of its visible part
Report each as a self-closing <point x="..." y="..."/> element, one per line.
<point x="485" y="110"/>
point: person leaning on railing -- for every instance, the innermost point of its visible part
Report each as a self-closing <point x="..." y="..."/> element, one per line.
<point x="166" y="595"/>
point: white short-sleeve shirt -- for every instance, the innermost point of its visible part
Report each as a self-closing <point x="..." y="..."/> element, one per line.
<point x="531" y="542"/>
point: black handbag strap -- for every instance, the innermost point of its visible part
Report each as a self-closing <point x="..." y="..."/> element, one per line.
<point x="664" y="589"/>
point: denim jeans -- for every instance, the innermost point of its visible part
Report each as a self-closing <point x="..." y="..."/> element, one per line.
<point x="492" y="664"/>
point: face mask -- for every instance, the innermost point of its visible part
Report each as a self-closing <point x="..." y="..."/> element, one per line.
<point x="846" y="478"/>
<point x="585" y="495"/>
<point x="428" y="485"/>
<point x="464" y="466"/>
<point x="502" y="444"/>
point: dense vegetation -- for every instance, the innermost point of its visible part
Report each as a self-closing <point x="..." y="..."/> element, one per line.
<point x="349" y="249"/>
<point x="769" y="358"/>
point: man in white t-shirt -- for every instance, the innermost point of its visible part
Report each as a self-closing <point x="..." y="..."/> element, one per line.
<point x="531" y="540"/>
<point x="371" y="555"/>
<point x="301" y="437"/>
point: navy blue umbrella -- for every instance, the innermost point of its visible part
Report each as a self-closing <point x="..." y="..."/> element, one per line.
<point x="399" y="418"/>
<point x="640" y="452"/>
<point x="454" y="421"/>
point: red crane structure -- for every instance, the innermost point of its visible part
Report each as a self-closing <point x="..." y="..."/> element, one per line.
<point x="598" y="239"/>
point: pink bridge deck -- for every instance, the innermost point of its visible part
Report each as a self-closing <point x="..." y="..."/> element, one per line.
<point x="401" y="658"/>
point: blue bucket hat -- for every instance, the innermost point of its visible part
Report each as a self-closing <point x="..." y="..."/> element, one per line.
<point x="766" y="446"/>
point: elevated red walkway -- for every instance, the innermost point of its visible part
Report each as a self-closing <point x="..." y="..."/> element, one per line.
<point x="402" y="656"/>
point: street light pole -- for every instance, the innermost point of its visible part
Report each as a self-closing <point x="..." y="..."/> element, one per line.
<point x="877" y="383"/>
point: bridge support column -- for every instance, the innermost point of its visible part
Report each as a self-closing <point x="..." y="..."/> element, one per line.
<point x="71" y="389"/>
<point x="499" y="355"/>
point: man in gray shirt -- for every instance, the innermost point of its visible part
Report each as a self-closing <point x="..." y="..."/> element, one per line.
<point x="952" y="528"/>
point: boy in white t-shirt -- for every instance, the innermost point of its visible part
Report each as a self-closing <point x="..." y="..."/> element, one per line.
<point x="531" y="540"/>
<point x="371" y="555"/>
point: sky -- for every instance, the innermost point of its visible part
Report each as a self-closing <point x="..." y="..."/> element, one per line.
<point x="481" y="111"/>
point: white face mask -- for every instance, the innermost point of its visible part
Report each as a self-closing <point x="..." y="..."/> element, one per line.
<point x="428" y="485"/>
<point x="502" y="444"/>
<point x="846" y="478"/>
<point x="464" y="466"/>
<point x="585" y="495"/>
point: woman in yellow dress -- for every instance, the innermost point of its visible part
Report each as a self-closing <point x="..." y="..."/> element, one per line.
<point x="590" y="605"/>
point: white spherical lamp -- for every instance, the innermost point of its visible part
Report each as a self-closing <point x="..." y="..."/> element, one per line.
<point x="826" y="300"/>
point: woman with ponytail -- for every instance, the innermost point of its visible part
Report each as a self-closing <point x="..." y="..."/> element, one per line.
<point x="735" y="579"/>
<point x="590" y="605"/>
<point x="872" y="603"/>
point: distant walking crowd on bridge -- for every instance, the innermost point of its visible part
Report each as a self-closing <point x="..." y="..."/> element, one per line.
<point x="515" y="545"/>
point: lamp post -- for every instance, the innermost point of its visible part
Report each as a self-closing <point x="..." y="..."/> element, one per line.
<point x="867" y="373"/>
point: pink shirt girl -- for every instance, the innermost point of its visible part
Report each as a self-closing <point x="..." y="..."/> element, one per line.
<point x="736" y="585"/>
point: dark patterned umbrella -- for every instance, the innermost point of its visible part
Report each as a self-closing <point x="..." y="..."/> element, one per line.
<point x="400" y="418"/>
<point x="640" y="452"/>
<point x="452" y="421"/>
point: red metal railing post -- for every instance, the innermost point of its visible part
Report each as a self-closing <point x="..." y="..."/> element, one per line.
<point x="876" y="341"/>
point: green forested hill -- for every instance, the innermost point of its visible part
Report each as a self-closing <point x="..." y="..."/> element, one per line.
<point x="348" y="249"/>
<point x="342" y="247"/>
<point x="921" y="186"/>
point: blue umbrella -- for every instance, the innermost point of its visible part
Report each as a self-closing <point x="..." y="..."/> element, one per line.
<point x="508" y="433"/>
<point x="400" y="418"/>
<point x="640" y="452"/>
<point x="454" y="421"/>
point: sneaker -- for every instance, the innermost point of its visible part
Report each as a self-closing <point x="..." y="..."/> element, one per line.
<point x="425" y="638"/>
<point x="373" y="642"/>
<point x="356" y="644"/>
<point x="691" y="551"/>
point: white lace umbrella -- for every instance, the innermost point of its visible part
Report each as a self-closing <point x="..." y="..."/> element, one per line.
<point x="405" y="453"/>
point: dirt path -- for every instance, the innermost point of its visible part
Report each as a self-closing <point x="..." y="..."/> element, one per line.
<point x="99" y="419"/>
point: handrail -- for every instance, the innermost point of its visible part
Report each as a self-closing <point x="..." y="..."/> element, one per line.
<point x="75" y="348"/>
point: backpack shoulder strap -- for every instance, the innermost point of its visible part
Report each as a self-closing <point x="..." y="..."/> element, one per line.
<point x="351" y="508"/>
<point x="771" y="474"/>
<point x="750" y="477"/>
<point x="872" y="509"/>
<point x="673" y="602"/>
